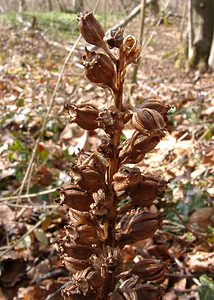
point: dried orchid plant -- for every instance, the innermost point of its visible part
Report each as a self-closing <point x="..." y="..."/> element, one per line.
<point x="108" y="198"/>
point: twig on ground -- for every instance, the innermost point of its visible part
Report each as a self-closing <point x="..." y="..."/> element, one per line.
<point x="46" y="117"/>
<point x="50" y="275"/>
<point x="10" y="198"/>
<point x="32" y="206"/>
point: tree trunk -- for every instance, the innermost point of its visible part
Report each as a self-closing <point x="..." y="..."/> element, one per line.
<point x="61" y="5"/>
<point x="211" y="56"/>
<point x="22" y="5"/>
<point x="50" y="5"/>
<point x="78" y="5"/>
<point x="203" y="28"/>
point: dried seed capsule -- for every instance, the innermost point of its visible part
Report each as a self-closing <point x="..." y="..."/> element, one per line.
<point x="126" y="178"/>
<point x="84" y="234"/>
<point x="77" y="218"/>
<point x="136" y="227"/>
<point x="87" y="178"/>
<point x="75" y="197"/>
<point x="73" y="265"/>
<point x="131" y="49"/>
<point x="144" y="291"/>
<point x="147" y="270"/>
<point x="135" y="148"/>
<point x="145" y="120"/>
<point x="84" y="115"/>
<point x="156" y="105"/>
<point x="78" y="251"/>
<point x="114" y="38"/>
<point x="91" y="30"/>
<point x="146" y="192"/>
<point x="99" y="69"/>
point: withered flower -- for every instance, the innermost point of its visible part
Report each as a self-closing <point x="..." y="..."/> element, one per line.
<point x="87" y="178"/>
<point x="100" y="206"/>
<point x="75" y="197"/>
<point x="99" y="69"/>
<point x="137" y="226"/>
<point x="126" y="178"/>
<point x="111" y="119"/>
<point x="73" y="292"/>
<point x="88" y="278"/>
<point x="91" y="30"/>
<point x="95" y="160"/>
<point x="107" y="148"/>
<point x="146" y="120"/>
<point x="84" y="115"/>
<point x="114" y="38"/>
<point x="131" y="49"/>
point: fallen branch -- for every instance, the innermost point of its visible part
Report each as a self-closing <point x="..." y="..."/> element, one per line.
<point x="130" y="16"/>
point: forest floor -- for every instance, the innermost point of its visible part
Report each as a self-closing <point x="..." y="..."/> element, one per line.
<point x="30" y="64"/>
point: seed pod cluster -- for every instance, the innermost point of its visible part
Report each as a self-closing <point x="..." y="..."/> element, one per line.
<point x="108" y="201"/>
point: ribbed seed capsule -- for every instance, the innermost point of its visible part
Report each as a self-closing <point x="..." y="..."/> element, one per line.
<point x="136" y="227"/>
<point x="99" y="68"/>
<point x="75" y="197"/>
<point x="91" y="30"/>
<point x="84" y="115"/>
<point x="83" y="234"/>
<point x="135" y="148"/>
<point x="146" y="270"/>
<point x="146" y="192"/>
<point x="156" y="105"/>
<point x="146" y="120"/>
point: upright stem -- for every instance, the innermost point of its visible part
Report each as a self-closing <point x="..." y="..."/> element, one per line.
<point x="115" y="138"/>
<point x="118" y="101"/>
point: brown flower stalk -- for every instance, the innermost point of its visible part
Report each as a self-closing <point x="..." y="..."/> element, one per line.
<point x="107" y="199"/>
